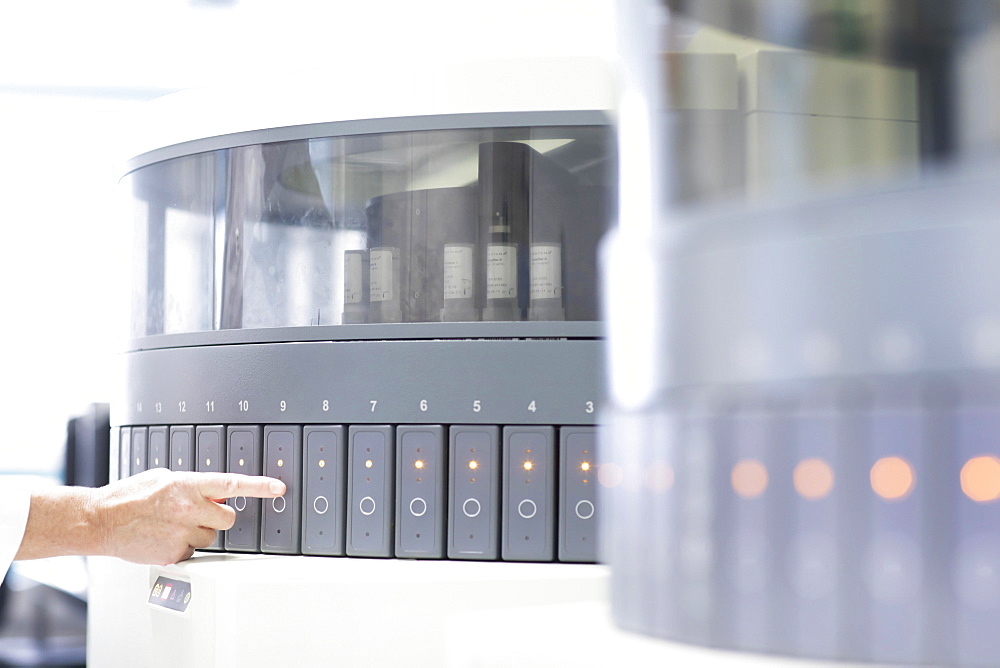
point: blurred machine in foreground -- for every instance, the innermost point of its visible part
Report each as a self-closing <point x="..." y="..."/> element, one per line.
<point x="804" y="331"/>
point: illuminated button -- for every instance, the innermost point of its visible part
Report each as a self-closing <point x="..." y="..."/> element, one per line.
<point x="472" y="465"/>
<point x="321" y="505"/>
<point x="278" y="503"/>
<point x="240" y="503"/>
<point x="418" y="507"/>
<point x="749" y="478"/>
<point x="527" y="509"/>
<point x="980" y="478"/>
<point x="367" y="506"/>
<point x="471" y="508"/>
<point x="892" y="478"/>
<point x="584" y="509"/>
<point x="813" y="478"/>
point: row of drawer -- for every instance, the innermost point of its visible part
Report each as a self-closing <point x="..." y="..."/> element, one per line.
<point x="516" y="493"/>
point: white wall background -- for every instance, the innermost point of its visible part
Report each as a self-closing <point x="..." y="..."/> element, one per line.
<point x="73" y="74"/>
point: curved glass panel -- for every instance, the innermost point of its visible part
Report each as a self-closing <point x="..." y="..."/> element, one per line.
<point x="455" y="225"/>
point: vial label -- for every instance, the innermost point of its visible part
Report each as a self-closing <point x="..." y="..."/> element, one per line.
<point x="458" y="276"/>
<point x="501" y="271"/>
<point x="352" y="277"/>
<point x="381" y="275"/>
<point x="546" y="271"/>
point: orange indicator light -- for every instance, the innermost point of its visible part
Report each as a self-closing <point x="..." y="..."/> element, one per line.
<point x="368" y="464"/>
<point x="749" y="478"/>
<point x="281" y="462"/>
<point x="980" y="478"/>
<point x="528" y="465"/>
<point x="473" y="464"/>
<point x="419" y="464"/>
<point x="241" y="462"/>
<point x="892" y="478"/>
<point x="585" y="466"/>
<point x="813" y="478"/>
<point x="322" y="463"/>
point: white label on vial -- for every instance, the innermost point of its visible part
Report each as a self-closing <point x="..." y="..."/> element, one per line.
<point x="381" y="275"/>
<point x="501" y="271"/>
<point x="458" y="276"/>
<point x="546" y="271"/>
<point x="352" y="278"/>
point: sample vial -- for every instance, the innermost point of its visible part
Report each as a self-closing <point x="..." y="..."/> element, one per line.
<point x="459" y="277"/>
<point x="501" y="282"/>
<point x="546" y="282"/>
<point x="356" y="290"/>
<point x="384" y="285"/>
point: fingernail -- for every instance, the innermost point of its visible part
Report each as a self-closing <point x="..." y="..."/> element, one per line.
<point x="277" y="487"/>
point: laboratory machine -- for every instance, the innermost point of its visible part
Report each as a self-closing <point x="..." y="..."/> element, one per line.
<point x="389" y="301"/>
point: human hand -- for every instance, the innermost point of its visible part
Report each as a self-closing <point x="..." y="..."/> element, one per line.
<point x="160" y="517"/>
<point x="155" y="517"/>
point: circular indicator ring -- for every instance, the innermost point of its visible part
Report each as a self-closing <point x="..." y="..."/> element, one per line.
<point x="584" y="509"/>
<point x="418" y="507"/>
<point x="527" y="509"/>
<point x="471" y="508"/>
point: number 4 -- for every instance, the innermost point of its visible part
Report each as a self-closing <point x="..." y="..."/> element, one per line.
<point x="532" y="407"/>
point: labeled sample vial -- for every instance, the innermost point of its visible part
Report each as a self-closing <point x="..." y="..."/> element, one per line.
<point x="503" y="220"/>
<point x="546" y="282"/>
<point x="356" y="290"/>
<point x="501" y="282"/>
<point x="384" y="285"/>
<point x="459" y="276"/>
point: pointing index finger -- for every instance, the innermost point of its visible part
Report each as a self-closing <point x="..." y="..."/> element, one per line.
<point x="226" y="485"/>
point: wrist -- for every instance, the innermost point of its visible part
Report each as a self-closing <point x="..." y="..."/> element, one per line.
<point x="95" y="521"/>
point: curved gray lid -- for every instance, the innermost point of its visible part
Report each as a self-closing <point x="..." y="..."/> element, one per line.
<point x="906" y="280"/>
